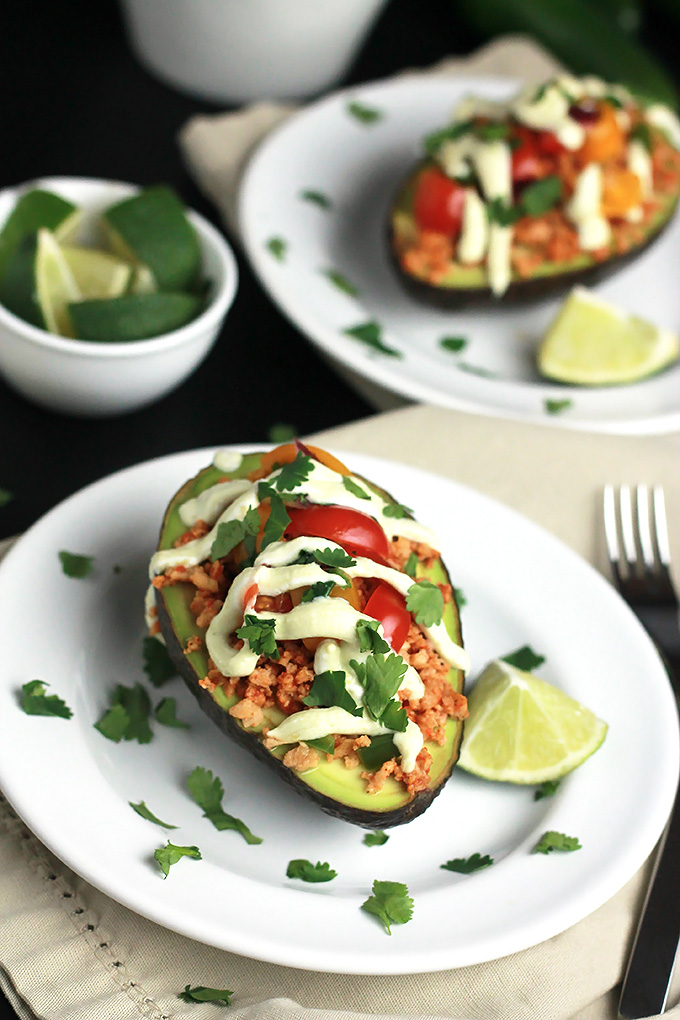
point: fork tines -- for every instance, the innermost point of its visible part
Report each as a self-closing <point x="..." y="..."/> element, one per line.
<point x="644" y="537"/>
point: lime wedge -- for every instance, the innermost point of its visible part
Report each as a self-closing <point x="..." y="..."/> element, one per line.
<point x="97" y="274"/>
<point x="152" y="228"/>
<point x="55" y="285"/>
<point x="593" y="343"/>
<point x="142" y="281"/>
<point x="35" y="209"/>
<point x="523" y="730"/>
<point x="134" y="316"/>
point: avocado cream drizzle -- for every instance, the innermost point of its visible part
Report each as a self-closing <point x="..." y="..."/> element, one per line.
<point x="333" y="619"/>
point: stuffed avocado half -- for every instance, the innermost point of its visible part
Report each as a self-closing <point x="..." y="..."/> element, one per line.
<point x="313" y="619"/>
<point x="563" y="184"/>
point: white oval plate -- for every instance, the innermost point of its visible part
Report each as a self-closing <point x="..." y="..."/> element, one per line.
<point x="72" y="786"/>
<point x="359" y="166"/>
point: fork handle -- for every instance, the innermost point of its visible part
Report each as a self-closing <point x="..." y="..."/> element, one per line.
<point x="650" y="966"/>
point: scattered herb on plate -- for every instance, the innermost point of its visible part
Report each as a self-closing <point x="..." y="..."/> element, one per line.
<point x="144" y="812"/>
<point x="128" y="716"/>
<point x="557" y="406"/>
<point x="34" y="701"/>
<point x="158" y="665"/>
<point x="207" y="791"/>
<point x="524" y="658"/>
<point x="390" y="903"/>
<point x="277" y="247"/>
<point x="199" y="993"/>
<point x="364" y="114"/>
<point x="468" y="865"/>
<point x="166" y="714"/>
<point x="316" y="198"/>
<point x="308" y="872"/>
<point x="340" y="282"/>
<point x="547" y="789"/>
<point x="76" y="564"/>
<point x="171" y="854"/>
<point x="453" y="344"/>
<point x="552" y="840"/>
<point x="6" y="497"/>
<point x="370" y="334"/>
<point x="375" y="838"/>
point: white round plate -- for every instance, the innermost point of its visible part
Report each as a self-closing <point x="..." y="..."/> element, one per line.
<point x="73" y="787"/>
<point x="357" y="167"/>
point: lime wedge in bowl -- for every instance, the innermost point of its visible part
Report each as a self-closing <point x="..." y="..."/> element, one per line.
<point x="36" y="209"/>
<point x="593" y="343"/>
<point x="97" y="274"/>
<point x="521" y="729"/>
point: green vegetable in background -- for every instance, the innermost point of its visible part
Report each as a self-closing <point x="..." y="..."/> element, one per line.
<point x="581" y="35"/>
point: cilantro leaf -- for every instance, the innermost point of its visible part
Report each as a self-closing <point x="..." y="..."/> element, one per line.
<point x="277" y="522"/>
<point x="34" y="701"/>
<point x="557" y="406"/>
<point x="641" y="133"/>
<point x="128" y="717"/>
<point x="502" y="213"/>
<point x="329" y="691"/>
<point x="552" y="840"/>
<point x="333" y="557"/>
<point x="199" y="993"/>
<point x="291" y="476"/>
<point x="539" y="197"/>
<point x="281" y="432"/>
<point x="381" y="749"/>
<point x="277" y="247"/>
<point x="397" y="510"/>
<point x="260" y="635"/>
<point x="395" y="717"/>
<point x="231" y="533"/>
<point x="355" y="489"/>
<point x="466" y="865"/>
<point x="524" y="658"/>
<point x="6" y="497"/>
<point x="369" y="638"/>
<point x="308" y="872"/>
<point x="144" y="812"/>
<point x="454" y="344"/>
<point x="340" y="281"/>
<point x="375" y="838"/>
<point x="364" y="114"/>
<point x="75" y="564"/>
<point x="450" y="133"/>
<point x="158" y="665"/>
<point x="425" y="600"/>
<point x="166" y="713"/>
<point x="324" y="744"/>
<point x="492" y="132"/>
<point x="370" y="333"/>
<point x="381" y="679"/>
<point x="547" y="789"/>
<point x="207" y="791"/>
<point x="390" y="903"/>
<point x="459" y="596"/>
<point x="319" y="590"/>
<point x="316" y="198"/>
<point x="171" y="854"/>
<point x="411" y="565"/>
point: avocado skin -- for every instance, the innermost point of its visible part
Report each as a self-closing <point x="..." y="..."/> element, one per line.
<point x="519" y="292"/>
<point x="248" y="741"/>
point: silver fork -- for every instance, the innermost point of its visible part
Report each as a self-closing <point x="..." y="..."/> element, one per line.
<point x="642" y="576"/>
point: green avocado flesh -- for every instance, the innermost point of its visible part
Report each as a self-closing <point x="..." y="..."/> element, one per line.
<point x="471" y="283"/>
<point x="338" y="790"/>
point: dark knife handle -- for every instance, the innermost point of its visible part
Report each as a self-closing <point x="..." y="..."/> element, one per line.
<point x="650" y="967"/>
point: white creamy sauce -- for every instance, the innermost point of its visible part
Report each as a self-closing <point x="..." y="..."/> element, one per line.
<point x="474" y="237"/>
<point x="333" y="619"/>
<point x="584" y="209"/>
<point x="150" y="618"/>
<point x="549" y="112"/>
<point x="664" y="118"/>
<point x="227" y="461"/>
<point x="640" y="162"/>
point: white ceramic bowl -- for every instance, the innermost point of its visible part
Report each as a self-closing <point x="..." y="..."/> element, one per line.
<point x="81" y="377"/>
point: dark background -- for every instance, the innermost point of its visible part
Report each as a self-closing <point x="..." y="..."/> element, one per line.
<point x="75" y="101"/>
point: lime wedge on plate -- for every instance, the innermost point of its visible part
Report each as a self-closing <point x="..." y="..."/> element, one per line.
<point x="152" y="228"/>
<point x="593" y="343"/>
<point x="134" y="316"/>
<point x="97" y="274"/>
<point x="35" y="209"/>
<point x="523" y="730"/>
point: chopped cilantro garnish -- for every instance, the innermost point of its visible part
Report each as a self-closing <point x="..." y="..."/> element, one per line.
<point x="199" y="993"/>
<point x="364" y="114"/>
<point x="316" y="198"/>
<point x="552" y="840"/>
<point x="277" y="522"/>
<point x="207" y="791"/>
<point x="370" y="333"/>
<point x="340" y="281"/>
<point x="425" y="600"/>
<point x="277" y="247"/>
<point x="613" y="101"/>
<point x="524" y="658"/>
<point x="547" y="789"/>
<point x="171" y="854"/>
<point x="319" y="590"/>
<point x="381" y="749"/>
<point x="158" y="665"/>
<point x="390" y="903"/>
<point x="355" y="489"/>
<point x="324" y="744"/>
<point x="281" y="432"/>
<point x="166" y="713"/>
<point x="492" y="132"/>
<point x="329" y="691"/>
<point x="459" y="596"/>
<point x="411" y="565"/>
<point x="397" y="510"/>
<point x="466" y="865"/>
<point x="394" y="717"/>
<point x="259" y="634"/>
<point x="231" y="533"/>
<point x="641" y="133"/>
<point x="502" y="213"/>
<point x="450" y="133"/>
<point x="375" y="838"/>
<point x="541" y="196"/>
<point x="454" y="344"/>
<point x="308" y="872"/>
<point x="369" y="638"/>
<point x="557" y="406"/>
<point x="6" y="497"/>
<point x="128" y="716"/>
<point x="330" y="557"/>
<point x="291" y="476"/>
<point x="485" y="373"/>
<point x="381" y="678"/>
<point x="34" y="701"/>
<point x="144" y="812"/>
<point x="75" y="564"/>
<point x="541" y="91"/>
